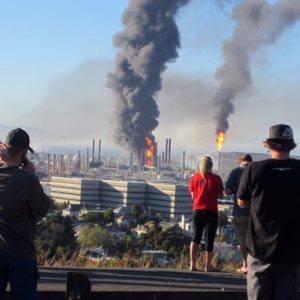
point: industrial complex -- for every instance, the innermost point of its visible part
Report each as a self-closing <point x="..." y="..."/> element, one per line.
<point x="170" y="200"/>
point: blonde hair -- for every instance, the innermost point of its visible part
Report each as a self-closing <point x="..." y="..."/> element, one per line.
<point x="205" y="165"/>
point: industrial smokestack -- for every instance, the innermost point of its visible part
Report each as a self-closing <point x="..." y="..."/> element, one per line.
<point x="142" y="158"/>
<point x="258" y="24"/>
<point x="48" y="164"/>
<point x="54" y="163"/>
<point x="87" y="158"/>
<point x="61" y="164"/>
<point x="166" y="151"/>
<point x="155" y="155"/>
<point x="183" y="161"/>
<point x="69" y="163"/>
<point x="158" y="164"/>
<point x="99" y="152"/>
<point x="131" y="160"/>
<point x="149" y="41"/>
<point x="93" y="151"/>
<point x="78" y="166"/>
<point x="169" y="152"/>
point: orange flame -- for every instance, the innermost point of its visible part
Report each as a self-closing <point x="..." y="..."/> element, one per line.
<point x="149" y="151"/>
<point x="220" y="140"/>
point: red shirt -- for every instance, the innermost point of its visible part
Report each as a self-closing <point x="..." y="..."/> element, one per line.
<point x="206" y="191"/>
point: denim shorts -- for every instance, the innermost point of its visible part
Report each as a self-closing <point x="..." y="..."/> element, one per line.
<point x="21" y="274"/>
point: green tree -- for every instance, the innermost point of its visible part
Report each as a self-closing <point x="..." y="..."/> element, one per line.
<point x="91" y="217"/>
<point x="109" y="215"/>
<point x="150" y="238"/>
<point x="173" y="241"/>
<point x="95" y="236"/>
<point x="56" y="232"/>
<point x="136" y="211"/>
<point x="129" y="244"/>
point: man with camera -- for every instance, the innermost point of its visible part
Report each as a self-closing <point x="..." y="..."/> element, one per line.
<point x="22" y="203"/>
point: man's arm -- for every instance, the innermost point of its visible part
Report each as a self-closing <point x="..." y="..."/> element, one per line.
<point x="38" y="201"/>
<point x="244" y="193"/>
<point x="230" y="183"/>
<point x="242" y="203"/>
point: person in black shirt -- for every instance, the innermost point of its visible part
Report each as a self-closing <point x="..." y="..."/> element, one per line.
<point x="240" y="215"/>
<point x="272" y="189"/>
<point x="22" y="202"/>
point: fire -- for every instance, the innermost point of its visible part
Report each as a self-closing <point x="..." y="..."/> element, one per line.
<point x="149" y="151"/>
<point x="220" y="140"/>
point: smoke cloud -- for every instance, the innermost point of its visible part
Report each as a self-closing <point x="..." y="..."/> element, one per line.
<point x="66" y="109"/>
<point x="149" y="41"/>
<point x="258" y="24"/>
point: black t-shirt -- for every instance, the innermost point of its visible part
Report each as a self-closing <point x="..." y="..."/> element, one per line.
<point x="232" y="183"/>
<point x="273" y="188"/>
<point x="22" y="202"/>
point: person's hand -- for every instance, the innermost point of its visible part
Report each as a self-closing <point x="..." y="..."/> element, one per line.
<point x="28" y="166"/>
<point x="4" y="154"/>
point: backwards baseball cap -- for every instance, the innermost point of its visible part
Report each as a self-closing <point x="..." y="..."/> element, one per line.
<point x="281" y="132"/>
<point x="19" y="138"/>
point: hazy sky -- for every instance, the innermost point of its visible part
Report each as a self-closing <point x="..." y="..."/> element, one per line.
<point x="55" y="57"/>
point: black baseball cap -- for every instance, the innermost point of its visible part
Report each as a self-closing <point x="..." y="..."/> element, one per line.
<point x="19" y="138"/>
<point x="281" y="132"/>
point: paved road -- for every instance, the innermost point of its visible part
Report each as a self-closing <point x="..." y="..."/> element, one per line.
<point x="128" y="279"/>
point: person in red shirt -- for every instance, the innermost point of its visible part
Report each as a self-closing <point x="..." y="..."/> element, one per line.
<point x="205" y="187"/>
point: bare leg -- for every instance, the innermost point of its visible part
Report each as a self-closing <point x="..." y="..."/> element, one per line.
<point x="244" y="258"/>
<point x="193" y="255"/>
<point x="208" y="259"/>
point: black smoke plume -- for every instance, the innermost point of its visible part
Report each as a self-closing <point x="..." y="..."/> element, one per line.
<point x="149" y="41"/>
<point x="258" y="24"/>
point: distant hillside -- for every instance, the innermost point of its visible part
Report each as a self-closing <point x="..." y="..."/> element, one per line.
<point x="229" y="160"/>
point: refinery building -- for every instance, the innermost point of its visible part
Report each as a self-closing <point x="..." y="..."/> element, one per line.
<point x="170" y="200"/>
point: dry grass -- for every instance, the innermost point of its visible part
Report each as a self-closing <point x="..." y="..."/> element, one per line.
<point x="128" y="261"/>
